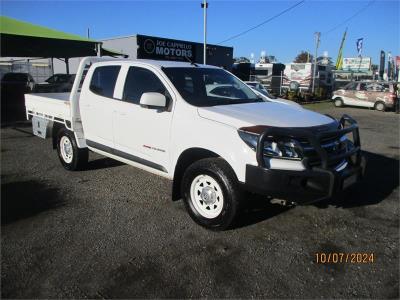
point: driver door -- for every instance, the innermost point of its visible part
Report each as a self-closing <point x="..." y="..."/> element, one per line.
<point x="142" y="134"/>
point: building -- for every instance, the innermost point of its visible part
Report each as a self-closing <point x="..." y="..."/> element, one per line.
<point x="354" y="68"/>
<point x="158" y="48"/>
<point x="40" y="69"/>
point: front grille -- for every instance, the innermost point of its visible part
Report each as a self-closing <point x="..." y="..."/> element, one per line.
<point x="328" y="137"/>
<point x="333" y="146"/>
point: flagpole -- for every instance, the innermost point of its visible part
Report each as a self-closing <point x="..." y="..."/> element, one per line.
<point x="339" y="60"/>
<point x="204" y="5"/>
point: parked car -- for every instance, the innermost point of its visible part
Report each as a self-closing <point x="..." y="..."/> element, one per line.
<point x="17" y="82"/>
<point x="167" y="118"/>
<point x="58" y="83"/>
<point x="13" y="88"/>
<point x="378" y="95"/>
<point x="261" y="91"/>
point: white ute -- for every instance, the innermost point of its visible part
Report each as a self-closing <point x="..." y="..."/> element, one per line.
<point x="202" y="128"/>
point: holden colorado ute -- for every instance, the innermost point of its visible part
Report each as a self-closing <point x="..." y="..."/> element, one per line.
<point x="202" y="128"/>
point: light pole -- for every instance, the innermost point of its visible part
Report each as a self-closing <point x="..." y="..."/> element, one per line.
<point x="317" y="40"/>
<point x="204" y="5"/>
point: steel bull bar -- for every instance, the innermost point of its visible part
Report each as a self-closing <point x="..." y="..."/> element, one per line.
<point x="315" y="182"/>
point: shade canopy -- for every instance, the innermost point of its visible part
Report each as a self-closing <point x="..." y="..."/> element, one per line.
<point x="111" y="52"/>
<point x="23" y="39"/>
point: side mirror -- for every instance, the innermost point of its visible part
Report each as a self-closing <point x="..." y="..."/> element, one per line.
<point x="155" y="100"/>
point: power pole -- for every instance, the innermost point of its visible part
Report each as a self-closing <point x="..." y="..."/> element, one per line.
<point x="204" y="5"/>
<point x="317" y="40"/>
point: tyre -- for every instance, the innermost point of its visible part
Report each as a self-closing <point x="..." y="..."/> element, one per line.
<point x="211" y="193"/>
<point x="338" y="102"/>
<point x="71" y="157"/>
<point x="380" y="106"/>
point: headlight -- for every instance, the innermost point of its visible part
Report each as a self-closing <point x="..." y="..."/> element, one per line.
<point x="280" y="148"/>
<point x="251" y="139"/>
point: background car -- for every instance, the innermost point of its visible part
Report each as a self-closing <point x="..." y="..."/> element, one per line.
<point x="379" y="95"/>
<point x="19" y="82"/>
<point x="13" y="88"/>
<point x="58" y="83"/>
<point x="262" y="92"/>
<point x="259" y="87"/>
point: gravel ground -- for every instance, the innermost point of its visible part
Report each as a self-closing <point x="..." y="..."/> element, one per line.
<point x="112" y="231"/>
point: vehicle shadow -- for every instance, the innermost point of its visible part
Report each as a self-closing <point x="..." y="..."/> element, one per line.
<point x="16" y="124"/>
<point x="21" y="200"/>
<point x="256" y="209"/>
<point x="102" y="163"/>
<point x="380" y="180"/>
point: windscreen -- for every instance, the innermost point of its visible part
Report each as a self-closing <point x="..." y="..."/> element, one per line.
<point x="265" y="92"/>
<point x="210" y="87"/>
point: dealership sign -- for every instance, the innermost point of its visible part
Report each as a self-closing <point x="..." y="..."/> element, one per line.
<point x="357" y="63"/>
<point x="164" y="49"/>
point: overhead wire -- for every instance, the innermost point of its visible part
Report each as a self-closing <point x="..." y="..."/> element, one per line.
<point x="262" y="23"/>
<point x="349" y="18"/>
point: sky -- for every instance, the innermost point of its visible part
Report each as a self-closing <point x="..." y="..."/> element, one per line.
<point x="283" y="37"/>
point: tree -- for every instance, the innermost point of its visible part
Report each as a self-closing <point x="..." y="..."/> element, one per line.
<point x="303" y="57"/>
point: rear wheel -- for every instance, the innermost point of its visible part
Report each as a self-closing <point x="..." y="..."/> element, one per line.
<point x="211" y="193"/>
<point x="380" y="106"/>
<point x="338" y="102"/>
<point x="71" y="157"/>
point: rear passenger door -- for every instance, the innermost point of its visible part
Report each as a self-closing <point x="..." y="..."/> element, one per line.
<point x="142" y="134"/>
<point x="362" y="95"/>
<point x="97" y="106"/>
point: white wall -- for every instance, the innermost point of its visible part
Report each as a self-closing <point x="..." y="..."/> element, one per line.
<point x="60" y="67"/>
<point x="126" y="45"/>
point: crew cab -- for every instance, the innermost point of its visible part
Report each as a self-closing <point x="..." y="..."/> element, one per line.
<point x="202" y="128"/>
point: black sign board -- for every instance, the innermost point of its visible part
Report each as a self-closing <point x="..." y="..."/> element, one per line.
<point x="382" y="64"/>
<point x="150" y="47"/>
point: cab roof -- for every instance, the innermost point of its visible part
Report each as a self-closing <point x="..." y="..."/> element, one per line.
<point x="155" y="63"/>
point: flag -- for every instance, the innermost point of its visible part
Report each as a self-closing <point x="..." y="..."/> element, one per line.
<point x="359" y="44"/>
<point x="339" y="60"/>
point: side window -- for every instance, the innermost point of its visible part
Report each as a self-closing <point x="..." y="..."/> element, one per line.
<point x="351" y="86"/>
<point x="139" y="81"/>
<point x="52" y="79"/>
<point x="385" y="88"/>
<point x="104" y="79"/>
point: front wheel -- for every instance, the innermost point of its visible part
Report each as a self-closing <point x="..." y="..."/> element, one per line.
<point x="338" y="102"/>
<point x="211" y="193"/>
<point x="71" y="157"/>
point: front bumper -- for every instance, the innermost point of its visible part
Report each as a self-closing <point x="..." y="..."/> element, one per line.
<point x="315" y="182"/>
<point x="302" y="187"/>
